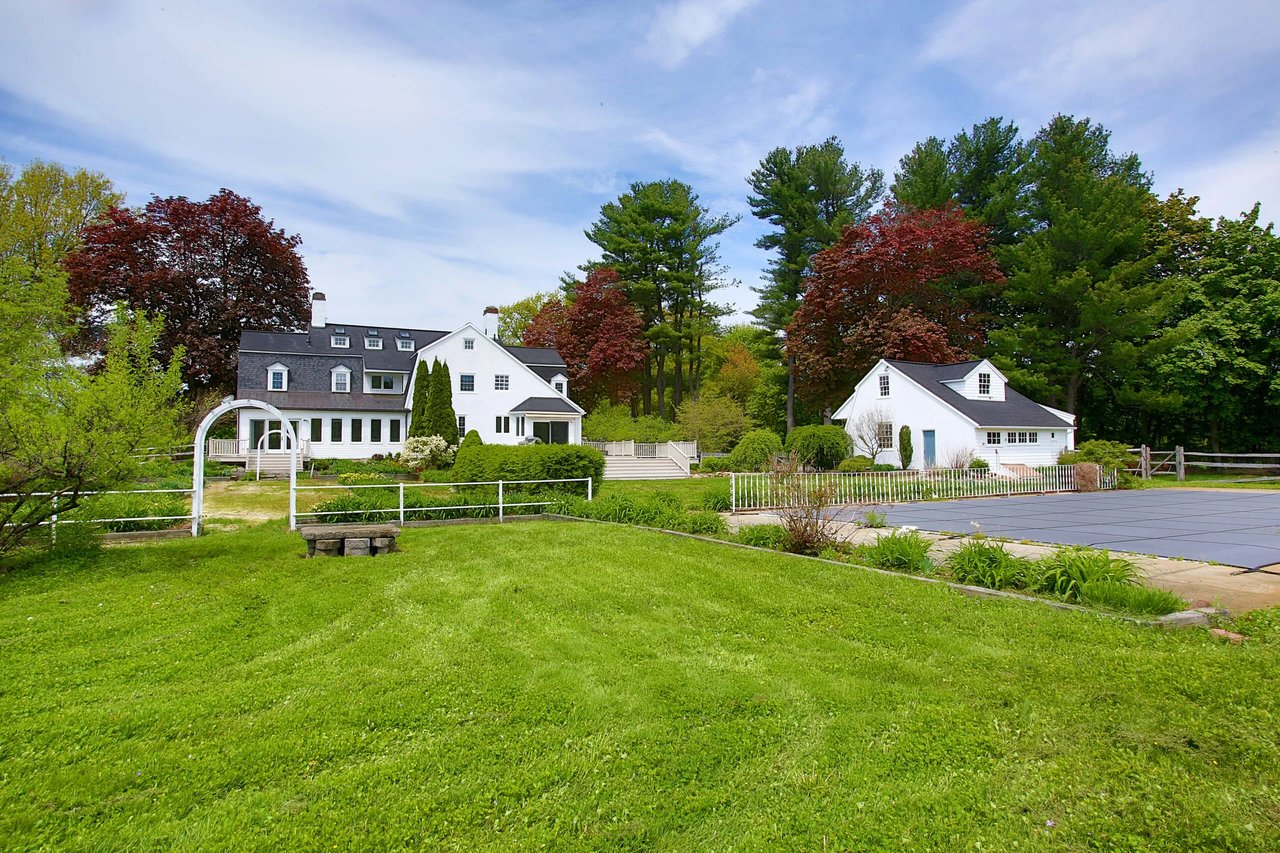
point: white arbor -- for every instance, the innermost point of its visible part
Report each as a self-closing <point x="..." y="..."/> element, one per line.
<point x="197" y="476"/>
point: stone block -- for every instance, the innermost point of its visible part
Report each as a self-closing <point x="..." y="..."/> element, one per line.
<point x="311" y="547"/>
<point x="1184" y="619"/>
<point x="355" y="546"/>
<point x="329" y="547"/>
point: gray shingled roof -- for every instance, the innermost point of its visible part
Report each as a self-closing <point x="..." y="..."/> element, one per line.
<point x="544" y="356"/>
<point x="325" y="400"/>
<point x="545" y="405"/>
<point x="1014" y="410"/>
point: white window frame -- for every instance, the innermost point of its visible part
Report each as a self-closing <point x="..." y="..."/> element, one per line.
<point x="373" y="343"/>
<point x="519" y="425"/>
<point x="468" y="343"/>
<point x="884" y="385"/>
<point x="284" y="377"/>
<point x="404" y="345"/>
<point x="884" y="435"/>
<point x="340" y="341"/>
<point x="993" y="437"/>
<point x="984" y="379"/>
<point x="502" y="382"/>
<point x="375" y="378"/>
<point x="461" y="380"/>
<point x="559" y="386"/>
<point x="345" y="373"/>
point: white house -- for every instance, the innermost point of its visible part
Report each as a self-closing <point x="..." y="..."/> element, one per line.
<point x="954" y="409"/>
<point x="348" y="389"/>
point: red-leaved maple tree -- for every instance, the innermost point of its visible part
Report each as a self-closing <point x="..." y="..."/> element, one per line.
<point x="210" y="269"/>
<point x="903" y="284"/>
<point x="599" y="334"/>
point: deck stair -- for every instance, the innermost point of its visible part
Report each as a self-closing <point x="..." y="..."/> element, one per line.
<point x="637" y="468"/>
<point x="275" y="463"/>
<point x="1019" y="471"/>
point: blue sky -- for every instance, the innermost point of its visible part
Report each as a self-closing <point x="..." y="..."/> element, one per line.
<point x="437" y="157"/>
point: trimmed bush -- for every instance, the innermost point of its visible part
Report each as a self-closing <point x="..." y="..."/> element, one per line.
<point x="991" y="566"/>
<point x="822" y="447"/>
<point x="979" y="465"/>
<point x="421" y="391"/>
<point x="855" y="464"/>
<point x="490" y="462"/>
<point x="772" y="536"/>
<point x="1111" y="455"/>
<point x="661" y="510"/>
<point x="614" y="423"/>
<point x="756" y="451"/>
<point x="905" y="450"/>
<point x="714" y="464"/>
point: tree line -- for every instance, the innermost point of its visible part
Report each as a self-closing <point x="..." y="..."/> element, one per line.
<point x="1049" y="254"/>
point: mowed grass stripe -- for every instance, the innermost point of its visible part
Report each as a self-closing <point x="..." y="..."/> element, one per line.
<point x="578" y="685"/>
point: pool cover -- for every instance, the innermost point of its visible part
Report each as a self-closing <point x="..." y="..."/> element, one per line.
<point x="1235" y="528"/>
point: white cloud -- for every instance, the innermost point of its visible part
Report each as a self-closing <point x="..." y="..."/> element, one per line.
<point x="682" y="27"/>
<point x="1232" y="182"/>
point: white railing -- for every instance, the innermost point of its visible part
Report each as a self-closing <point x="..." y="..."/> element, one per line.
<point x="784" y="491"/>
<point x="401" y="512"/>
<point x="688" y="448"/>
<point x="675" y="451"/>
<point x="55" y="520"/>
<point x="645" y="449"/>
<point x="613" y="448"/>
<point x="238" y="448"/>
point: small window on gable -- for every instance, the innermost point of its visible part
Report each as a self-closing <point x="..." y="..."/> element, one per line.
<point x="277" y="378"/>
<point x="984" y="383"/>
<point x="502" y="382"/>
<point x="340" y="378"/>
<point x="340" y="341"/>
<point x="559" y="387"/>
<point x="404" y="345"/>
<point x="884" y="385"/>
<point x="373" y="343"/>
<point x="468" y="343"/>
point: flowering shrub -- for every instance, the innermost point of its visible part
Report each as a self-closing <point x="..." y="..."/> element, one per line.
<point x="427" y="451"/>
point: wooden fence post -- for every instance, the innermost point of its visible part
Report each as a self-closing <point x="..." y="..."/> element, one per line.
<point x="1145" y="463"/>
<point x="1180" y="461"/>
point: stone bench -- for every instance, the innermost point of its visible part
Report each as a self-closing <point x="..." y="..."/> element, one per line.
<point x="349" y="540"/>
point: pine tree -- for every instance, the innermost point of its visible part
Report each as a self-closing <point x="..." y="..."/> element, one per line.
<point x="441" y="419"/>
<point x="421" y="393"/>
<point x="924" y="178"/>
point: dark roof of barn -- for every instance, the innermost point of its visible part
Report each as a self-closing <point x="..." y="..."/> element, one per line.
<point x="1014" y="410"/>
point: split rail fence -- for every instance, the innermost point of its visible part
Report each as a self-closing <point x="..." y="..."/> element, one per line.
<point x="1154" y="463"/>
<point x="787" y="491"/>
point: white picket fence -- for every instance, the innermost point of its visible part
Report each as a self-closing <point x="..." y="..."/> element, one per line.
<point x="784" y="491"/>
<point x="400" y="512"/>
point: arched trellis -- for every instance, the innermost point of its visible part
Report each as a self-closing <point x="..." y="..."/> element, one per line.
<point x="197" y="476"/>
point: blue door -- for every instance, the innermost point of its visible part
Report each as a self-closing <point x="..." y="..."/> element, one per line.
<point x="930" y="449"/>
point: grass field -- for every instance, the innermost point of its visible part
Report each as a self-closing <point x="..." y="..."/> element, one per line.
<point x="586" y="686"/>
<point x="1216" y="481"/>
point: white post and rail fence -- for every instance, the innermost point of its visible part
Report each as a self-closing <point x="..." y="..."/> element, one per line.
<point x="405" y="511"/>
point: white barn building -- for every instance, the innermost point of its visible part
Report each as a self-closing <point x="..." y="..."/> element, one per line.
<point x="954" y="410"/>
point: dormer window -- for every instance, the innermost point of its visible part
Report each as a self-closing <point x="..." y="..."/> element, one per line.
<point x="373" y="343"/>
<point x="339" y="341"/>
<point x="277" y="378"/>
<point x="884" y="385"/>
<point x="468" y="343"/>
<point x="404" y="345"/>
<point x="984" y="384"/>
<point x="559" y="387"/>
<point x="340" y="380"/>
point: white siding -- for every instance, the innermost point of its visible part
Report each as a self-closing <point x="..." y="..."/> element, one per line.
<point x="484" y="405"/>
<point x="968" y="386"/>
<point x="1045" y="451"/>
<point x="909" y="404"/>
<point x="327" y="448"/>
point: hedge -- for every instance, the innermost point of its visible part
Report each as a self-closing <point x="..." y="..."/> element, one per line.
<point x="488" y="462"/>
<point x="822" y="447"/>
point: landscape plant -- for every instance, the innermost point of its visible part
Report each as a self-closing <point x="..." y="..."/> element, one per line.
<point x="716" y="422"/>
<point x="771" y="536"/>
<point x="756" y="451"/>
<point x="441" y="419"/>
<point x="989" y="565"/>
<point x="1067" y="570"/>
<point x="820" y="447"/>
<point x="492" y="462"/>
<point x="905" y="451"/>
<point x="421" y="394"/>
<point x="898" y="551"/>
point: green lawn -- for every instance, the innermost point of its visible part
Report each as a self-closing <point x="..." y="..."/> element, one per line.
<point x="584" y="686"/>
<point x="1217" y="481"/>
<point x="690" y="490"/>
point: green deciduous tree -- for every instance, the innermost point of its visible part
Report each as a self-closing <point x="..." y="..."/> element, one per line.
<point x="44" y="209"/>
<point x="65" y="431"/>
<point x="421" y="394"/>
<point x="715" y="422"/>
<point x="808" y="195"/>
<point x="513" y="319"/>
